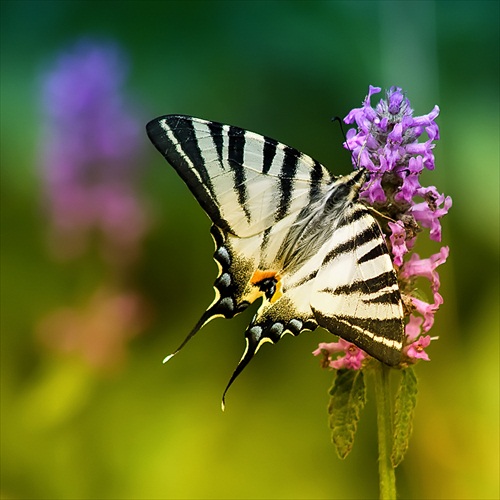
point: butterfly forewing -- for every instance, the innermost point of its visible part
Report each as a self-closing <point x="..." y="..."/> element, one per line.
<point x="244" y="181"/>
<point x="288" y="232"/>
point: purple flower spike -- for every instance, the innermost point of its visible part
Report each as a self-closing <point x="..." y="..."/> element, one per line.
<point x="90" y="152"/>
<point x="391" y="144"/>
<point x="387" y="143"/>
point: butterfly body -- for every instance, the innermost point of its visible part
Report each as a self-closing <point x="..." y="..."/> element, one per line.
<point x="288" y="232"/>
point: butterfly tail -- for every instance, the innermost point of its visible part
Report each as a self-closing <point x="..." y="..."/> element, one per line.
<point x="251" y="348"/>
<point x="206" y="317"/>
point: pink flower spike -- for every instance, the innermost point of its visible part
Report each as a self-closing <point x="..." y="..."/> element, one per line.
<point x="414" y="327"/>
<point x="352" y="360"/>
<point x="330" y="347"/>
<point x="398" y="242"/>
<point x="431" y="210"/>
<point x="416" y="349"/>
<point x="394" y="147"/>
<point x="426" y="267"/>
<point x="427" y="310"/>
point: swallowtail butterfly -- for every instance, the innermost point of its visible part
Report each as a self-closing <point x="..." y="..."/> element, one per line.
<point x="288" y="232"/>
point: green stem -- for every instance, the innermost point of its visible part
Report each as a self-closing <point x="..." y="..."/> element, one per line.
<point x="387" y="477"/>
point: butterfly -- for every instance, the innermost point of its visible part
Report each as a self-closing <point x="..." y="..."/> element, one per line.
<point x="288" y="232"/>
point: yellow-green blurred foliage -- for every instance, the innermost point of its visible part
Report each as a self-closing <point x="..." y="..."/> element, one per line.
<point x="104" y="418"/>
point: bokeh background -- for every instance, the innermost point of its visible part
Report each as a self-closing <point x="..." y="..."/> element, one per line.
<point x="98" y="286"/>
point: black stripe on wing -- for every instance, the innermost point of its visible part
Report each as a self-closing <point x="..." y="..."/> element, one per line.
<point x="216" y="133"/>
<point x="236" y="153"/>
<point x="375" y="252"/>
<point x="368" y="234"/>
<point x="270" y="148"/>
<point x="371" y="285"/>
<point x="179" y="152"/>
<point x="288" y="170"/>
<point x="316" y="181"/>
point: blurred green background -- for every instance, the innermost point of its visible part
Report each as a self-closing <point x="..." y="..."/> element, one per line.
<point x="126" y="426"/>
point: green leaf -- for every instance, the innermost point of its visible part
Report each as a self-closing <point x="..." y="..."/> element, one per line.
<point x="348" y="397"/>
<point x="406" y="400"/>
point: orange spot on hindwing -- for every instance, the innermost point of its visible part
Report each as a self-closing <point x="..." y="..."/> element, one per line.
<point x="269" y="283"/>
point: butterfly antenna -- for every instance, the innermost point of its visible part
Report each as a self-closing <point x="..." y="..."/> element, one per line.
<point x="341" y="125"/>
<point x="207" y="316"/>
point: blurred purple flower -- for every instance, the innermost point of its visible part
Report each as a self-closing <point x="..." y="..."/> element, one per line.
<point x="90" y="151"/>
<point x="387" y="143"/>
